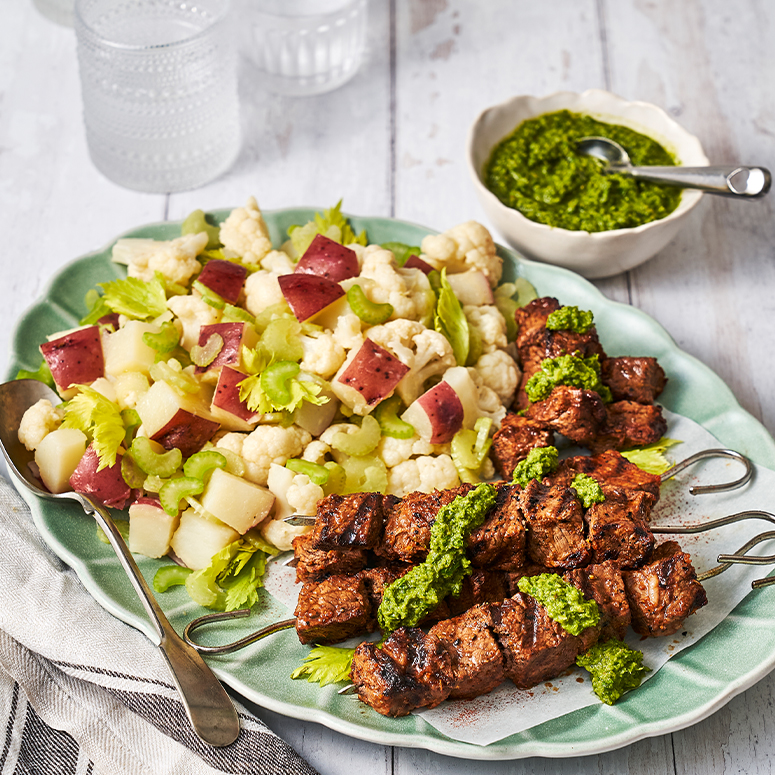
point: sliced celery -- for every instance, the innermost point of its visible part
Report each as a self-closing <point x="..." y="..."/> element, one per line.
<point x="337" y="479"/>
<point x="364" y="474"/>
<point x="208" y="352"/>
<point x="368" y="311"/>
<point x="165" y="341"/>
<point x="166" y="371"/>
<point x="390" y="423"/>
<point x="196" y="222"/>
<point x="175" y="490"/>
<point x="170" y="576"/>
<point x="280" y="340"/>
<point x="362" y="441"/>
<point x="161" y="464"/>
<point x="200" y="463"/>
<point x="275" y="382"/>
<point x="317" y="473"/>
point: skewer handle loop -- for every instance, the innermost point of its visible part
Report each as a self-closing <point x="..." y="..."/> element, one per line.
<point x="228" y="648"/>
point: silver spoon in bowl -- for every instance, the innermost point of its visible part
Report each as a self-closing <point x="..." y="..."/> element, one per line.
<point x="746" y="182"/>
<point x="209" y="707"/>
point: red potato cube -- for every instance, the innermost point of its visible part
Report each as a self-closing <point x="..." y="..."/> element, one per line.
<point x="236" y="502"/>
<point x="174" y="420"/>
<point x="150" y="527"/>
<point x="327" y="258"/>
<point x="373" y="372"/>
<point x="308" y="294"/>
<point x="235" y="336"/>
<point x="74" y="359"/>
<point x="437" y="415"/>
<point x="471" y="287"/>
<point x="226" y="406"/>
<point x="415" y="262"/>
<point x="106" y="486"/>
<point x="224" y="278"/>
<point x="58" y="455"/>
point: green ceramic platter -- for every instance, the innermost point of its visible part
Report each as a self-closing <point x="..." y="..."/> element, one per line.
<point x="687" y="689"/>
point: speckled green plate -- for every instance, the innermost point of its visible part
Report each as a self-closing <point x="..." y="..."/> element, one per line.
<point x="687" y="689"/>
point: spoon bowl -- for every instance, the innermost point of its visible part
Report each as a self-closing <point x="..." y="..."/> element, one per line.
<point x="208" y="706"/>
<point x="737" y="181"/>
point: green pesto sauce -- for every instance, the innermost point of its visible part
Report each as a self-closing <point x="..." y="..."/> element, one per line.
<point x="615" y="669"/>
<point x="570" y="370"/>
<point x="407" y="600"/>
<point x="564" y="603"/>
<point x="570" y="319"/>
<point x="540" y="462"/>
<point x="537" y="171"/>
<point x="588" y="490"/>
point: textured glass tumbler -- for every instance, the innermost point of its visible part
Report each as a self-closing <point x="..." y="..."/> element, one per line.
<point x="305" y="47"/>
<point x="159" y="84"/>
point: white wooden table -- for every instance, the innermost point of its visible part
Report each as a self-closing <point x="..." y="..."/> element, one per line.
<point x="391" y="143"/>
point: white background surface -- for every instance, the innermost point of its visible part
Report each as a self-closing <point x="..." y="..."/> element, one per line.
<point x="391" y="143"/>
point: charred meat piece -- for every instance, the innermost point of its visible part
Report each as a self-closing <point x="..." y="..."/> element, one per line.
<point x="316" y="564"/>
<point x="482" y="586"/>
<point x="633" y="379"/>
<point x="664" y="592"/>
<point x="516" y="436"/>
<point x="333" y="610"/>
<point x="575" y="413"/>
<point x="531" y="319"/>
<point x="629" y="424"/>
<point x="411" y="670"/>
<point x="535" y="647"/>
<point x="408" y="524"/>
<point x="350" y="521"/>
<point x="477" y="657"/>
<point x="499" y="542"/>
<point x="528" y="569"/>
<point x="617" y="530"/>
<point x="613" y="472"/>
<point x="604" y="584"/>
<point x="555" y="523"/>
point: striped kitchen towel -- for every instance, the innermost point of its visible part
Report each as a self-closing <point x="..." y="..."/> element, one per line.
<point x="82" y="692"/>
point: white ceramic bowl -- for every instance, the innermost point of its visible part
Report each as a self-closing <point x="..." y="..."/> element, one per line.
<point x="591" y="254"/>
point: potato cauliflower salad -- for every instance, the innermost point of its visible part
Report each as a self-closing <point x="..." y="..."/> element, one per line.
<point x="225" y="384"/>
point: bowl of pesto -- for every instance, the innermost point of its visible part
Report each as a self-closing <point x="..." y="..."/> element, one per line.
<point x="553" y="204"/>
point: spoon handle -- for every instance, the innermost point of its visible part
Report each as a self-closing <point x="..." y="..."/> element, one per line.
<point x="209" y="708"/>
<point x="746" y="182"/>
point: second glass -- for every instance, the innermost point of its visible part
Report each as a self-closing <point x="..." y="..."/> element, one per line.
<point x="159" y="84"/>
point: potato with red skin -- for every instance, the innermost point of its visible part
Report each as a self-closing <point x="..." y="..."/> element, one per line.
<point x="234" y="336"/>
<point x="327" y="258"/>
<point x="75" y="358"/>
<point x="415" y="262"/>
<point x="437" y="415"/>
<point x="373" y="372"/>
<point x="225" y="278"/>
<point x="226" y="405"/>
<point x="106" y="486"/>
<point x="308" y="294"/>
<point x="186" y="431"/>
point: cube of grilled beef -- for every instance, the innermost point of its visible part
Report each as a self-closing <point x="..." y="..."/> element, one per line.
<point x="350" y="521"/>
<point x="617" y="529"/>
<point x="604" y="584"/>
<point x="528" y="569"/>
<point x="575" y="413"/>
<point x="408" y="523"/>
<point x="499" y="542"/>
<point x="316" y="564"/>
<point x="531" y="319"/>
<point x="629" y="424"/>
<point x="633" y="379"/>
<point x="664" y="592"/>
<point x="411" y="670"/>
<point x="477" y="657"/>
<point x="613" y="472"/>
<point x="333" y="610"/>
<point x="535" y="647"/>
<point x="555" y="526"/>
<point x="516" y="436"/>
<point x="482" y="586"/>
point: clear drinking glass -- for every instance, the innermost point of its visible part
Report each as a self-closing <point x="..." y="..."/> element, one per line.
<point x="159" y="84"/>
<point x="305" y="47"/>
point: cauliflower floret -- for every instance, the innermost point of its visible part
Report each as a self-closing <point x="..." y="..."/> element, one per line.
<point x="316" y="451"/>
<point x="466" y="246"/>
<point x="323" y="355"/>
<point x="303" y="495"/>
<point x="424" y="474"/>
<point x="478" y="400"/>
<point x="38" y="421"/>
<point x="244" y="234"/>
<point x="498" y="371"/>
<point x="395" y="451"/>
<point x="425" y="352"/>
<point x="347" y="333"/>
<point x="192" y="313"/>
<point x="489" y="324"/>
<point x="175" y="259"/>
<point x="407" y="290"/>
<point x="265" y="445"/>
<point x="278" y="262"/>
<point x="261" y="291"/>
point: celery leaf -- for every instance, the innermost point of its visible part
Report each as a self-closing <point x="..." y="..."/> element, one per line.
<point x="100" y="419"/>
<point x="450" y="320"/>
<point x="651" y="458"/>
<point x="326" y="665"/>
<point x="135" y="298"/>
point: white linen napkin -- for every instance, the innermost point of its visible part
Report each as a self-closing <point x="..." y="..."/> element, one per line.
<point x="82" y="692"/>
